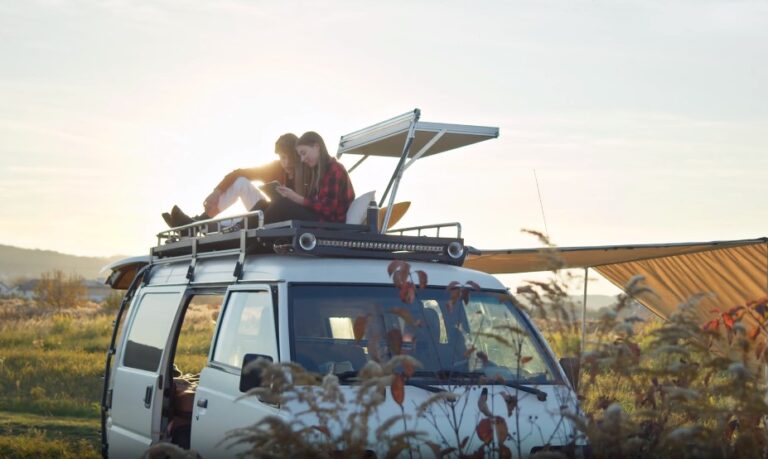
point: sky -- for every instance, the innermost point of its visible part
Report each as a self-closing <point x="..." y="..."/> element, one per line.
<point x="644" y="121"/>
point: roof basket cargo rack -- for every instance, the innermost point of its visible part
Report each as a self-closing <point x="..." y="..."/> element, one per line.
<point x="247" y="234"/>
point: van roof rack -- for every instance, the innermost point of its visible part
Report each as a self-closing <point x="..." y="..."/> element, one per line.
<point x="247" y="234"/>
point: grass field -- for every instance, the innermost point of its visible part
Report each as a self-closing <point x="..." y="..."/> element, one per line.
<point x="25" y="435"/>
<point x="50" y="380"/>
<point x="51" y="367"/>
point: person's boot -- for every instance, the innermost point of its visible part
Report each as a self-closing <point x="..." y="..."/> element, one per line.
<point x="179" y="218"/>
<point x="168" y="219"/>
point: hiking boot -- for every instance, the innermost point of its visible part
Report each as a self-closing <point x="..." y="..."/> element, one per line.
<point x="179" y="218"/>
<point x="168" y="220"/>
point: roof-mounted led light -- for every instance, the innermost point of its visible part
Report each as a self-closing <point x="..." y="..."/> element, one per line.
<point x="455" y="250"/>
<point x="307" y="241"/>
<point x="384" y="246"/>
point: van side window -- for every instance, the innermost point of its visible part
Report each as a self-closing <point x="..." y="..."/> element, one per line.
<point x="196" y="334"/>
<point x="248" y="327"/>
<point x="149" y="331"/>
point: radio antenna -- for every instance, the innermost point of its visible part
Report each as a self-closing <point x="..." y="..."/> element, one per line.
<point x="541" y="204"/>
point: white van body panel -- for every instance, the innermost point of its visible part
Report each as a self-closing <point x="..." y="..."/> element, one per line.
<point x="535" y="422"/>
<point x="225" y="411"/>
<point x="133" y="425"/>
<point x="296" y="268"/>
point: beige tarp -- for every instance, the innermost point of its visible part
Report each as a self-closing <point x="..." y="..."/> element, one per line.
<point x="730" y="272"/>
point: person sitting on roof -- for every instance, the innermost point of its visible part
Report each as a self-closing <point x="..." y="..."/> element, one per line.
<point x="287" y="170"/>
<point x="330" y="190"/>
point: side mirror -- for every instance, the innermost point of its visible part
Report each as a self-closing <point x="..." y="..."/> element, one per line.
<point x="251" y="377"/>
<point x="571" y="367"/>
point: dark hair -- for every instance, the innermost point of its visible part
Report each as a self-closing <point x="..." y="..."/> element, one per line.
<point x="286" y="144"/>
<point x="311" y="138"/>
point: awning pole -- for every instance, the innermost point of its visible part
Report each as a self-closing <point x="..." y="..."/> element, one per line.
<point x="584" y="314"/>
<point x="357" y="164"/>
<point x="395" y="182"/>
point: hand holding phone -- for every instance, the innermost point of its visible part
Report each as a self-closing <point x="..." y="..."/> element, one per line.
<point x="270" y="189"/>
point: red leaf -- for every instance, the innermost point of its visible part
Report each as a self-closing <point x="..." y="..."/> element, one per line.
<point x="469" y="351"/>
<point x="473" y="285"/>
<point x="395" y="341"/>
<point x="465" y="296"/>
<point x="485" y="431"/>
<point x="422" y="279"/>
<point x="510" y="401"/>
<point x="501" y="428"/>
<point x="408" y="293"/>
<point x="525" y="359"/>
<point x="753" y="334"/>
<point x="482" y="403"/>
<point x="398" y="389"/>
<point x="400" y="277"/>
<point x="712" y="325"/>
<point x="408" y="368"/>
<point x="361" y="323"/>
<point x="504" y="452"/>
<point x="464" y="442"/>
<point x="394" y="266"/>
<point x="727" y="320"/>
<point x="373" y="347"/>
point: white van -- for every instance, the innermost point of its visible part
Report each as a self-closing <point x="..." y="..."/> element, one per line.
<point x="207" y="301"/>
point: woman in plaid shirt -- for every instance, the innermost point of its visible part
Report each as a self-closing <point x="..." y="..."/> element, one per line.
<point x="330" y="190"/>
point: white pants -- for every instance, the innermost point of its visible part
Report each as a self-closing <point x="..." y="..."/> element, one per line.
<point x="242" y="189"/>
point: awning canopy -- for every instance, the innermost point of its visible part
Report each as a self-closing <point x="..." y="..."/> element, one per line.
<point x="388" y="138"/>
<point x="731" y="273"/>
<point x="408" y="138"/>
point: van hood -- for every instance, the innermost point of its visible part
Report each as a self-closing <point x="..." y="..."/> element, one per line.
<point x="481" y="416"/>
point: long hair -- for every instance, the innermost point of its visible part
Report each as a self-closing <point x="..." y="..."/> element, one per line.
<point x="286" y="144"/>
<point x="311" y="138"/>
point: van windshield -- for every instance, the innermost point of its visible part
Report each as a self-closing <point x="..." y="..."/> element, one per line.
<point x="488" y="336"/>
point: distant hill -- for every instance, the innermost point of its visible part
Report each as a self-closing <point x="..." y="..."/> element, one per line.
<point x="16" y="262"/>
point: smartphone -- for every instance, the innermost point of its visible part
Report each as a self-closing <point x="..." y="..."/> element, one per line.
<point x="270" y="189"/>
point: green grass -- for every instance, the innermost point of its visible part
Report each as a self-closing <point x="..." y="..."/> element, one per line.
<point x="32" y="436"/>
<point x="51" y="368"/>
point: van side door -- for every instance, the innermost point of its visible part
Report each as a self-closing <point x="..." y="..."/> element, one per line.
<point x="248" y="325"/>
<point x="137" y="390"/>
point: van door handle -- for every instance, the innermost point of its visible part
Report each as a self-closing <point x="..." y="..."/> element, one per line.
<point x="203" y="403"/>
<point x="148" y="397"/>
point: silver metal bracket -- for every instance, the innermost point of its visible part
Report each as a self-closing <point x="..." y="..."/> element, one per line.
<point x="192" y="262"/>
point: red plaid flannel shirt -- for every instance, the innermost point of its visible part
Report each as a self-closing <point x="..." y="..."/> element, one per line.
<point x="334" y="195"/>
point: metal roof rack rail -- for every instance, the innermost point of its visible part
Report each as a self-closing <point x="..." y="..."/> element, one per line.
<point x="437" y="227"/>
<point x="203" y="227"/>
<point x="338" y="240"/>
